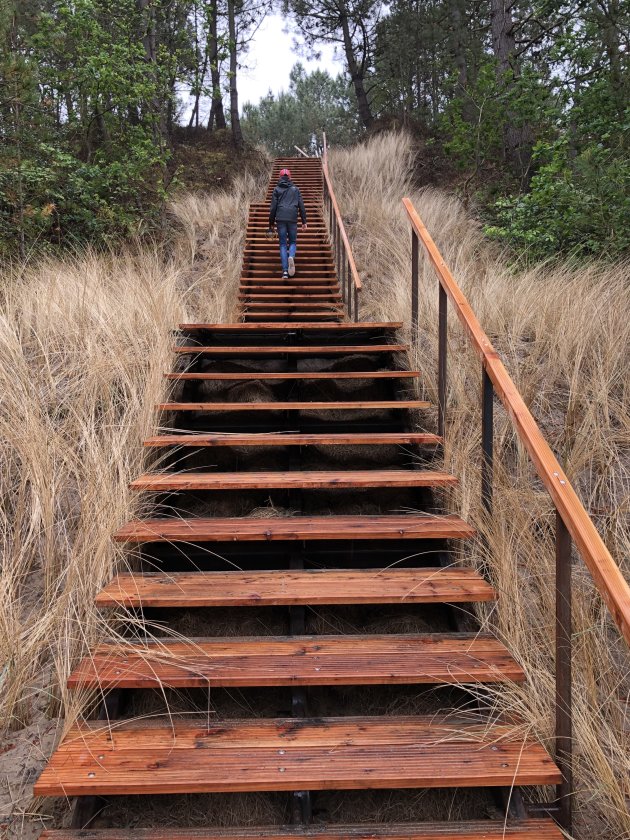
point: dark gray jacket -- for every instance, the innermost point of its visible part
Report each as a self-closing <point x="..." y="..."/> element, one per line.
<point x="286" y="202"/>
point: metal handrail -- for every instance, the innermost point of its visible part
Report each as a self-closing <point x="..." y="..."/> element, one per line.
<point x="347" y="273"/>
<point x="572" y="519"/>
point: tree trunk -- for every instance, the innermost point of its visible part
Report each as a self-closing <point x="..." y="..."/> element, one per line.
<point x="357" y="72"/>
<point x="609" y="25"/>
<point x="149" y="41"/>
<point x="458" y="48"/>
<point x="235" y="120"/>
<point x="217" y="115"/>
<point x="198" y="81"/>
<point x="194" y="117"/>
<point x="516" y="138"/>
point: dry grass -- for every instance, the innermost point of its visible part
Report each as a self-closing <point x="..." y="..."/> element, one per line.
<point x="84" y="342"/>
<point x="564" y="333"/>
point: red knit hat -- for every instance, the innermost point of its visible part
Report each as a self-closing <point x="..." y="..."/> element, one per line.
<point x="285" y="172"/>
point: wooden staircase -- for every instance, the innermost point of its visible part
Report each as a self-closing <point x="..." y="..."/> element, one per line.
<point x="314" y="293"/>
<point x="340" y="508"/>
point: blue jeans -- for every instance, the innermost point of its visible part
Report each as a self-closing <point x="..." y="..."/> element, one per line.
<point x="287" y="230"/>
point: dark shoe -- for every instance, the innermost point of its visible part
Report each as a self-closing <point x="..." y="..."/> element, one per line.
<point x="291" y="266"/>
<point x="285" y="275"/>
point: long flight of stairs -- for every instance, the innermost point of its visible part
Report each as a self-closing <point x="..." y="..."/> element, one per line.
<point x="295" y="484"/>
<point x="314" y="293"/>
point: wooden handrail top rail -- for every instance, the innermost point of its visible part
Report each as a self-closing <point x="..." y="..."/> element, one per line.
<point x="607" y="575"/>
<point x="356" y="280"/>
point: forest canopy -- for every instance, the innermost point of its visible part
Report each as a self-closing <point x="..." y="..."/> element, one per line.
<point x="528" y="101"/>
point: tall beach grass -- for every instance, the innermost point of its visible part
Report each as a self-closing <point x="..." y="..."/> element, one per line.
<point x="563" y="332"/>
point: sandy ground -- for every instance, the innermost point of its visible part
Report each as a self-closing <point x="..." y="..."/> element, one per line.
<point x="23" y="754"/>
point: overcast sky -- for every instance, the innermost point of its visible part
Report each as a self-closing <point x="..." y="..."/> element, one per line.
<point x="270" y="59"/>
<point x="266" y="66"/>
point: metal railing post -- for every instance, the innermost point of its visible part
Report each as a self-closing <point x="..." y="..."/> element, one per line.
<point x="414" y="283"/>
<point x="356" y="304"/>
<point x="487" y="439"/>
<point x="442" y="322"/>
<point x="338" y="256"/>
<point x="564" y="718"/>
<point x="349" y="288"/>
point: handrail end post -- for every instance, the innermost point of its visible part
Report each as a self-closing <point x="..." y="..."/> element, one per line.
<point x="564" y="714"/>
<point x="442" y="350"/>
<point x="487" y="440"/>
<point x="415" y="245"/>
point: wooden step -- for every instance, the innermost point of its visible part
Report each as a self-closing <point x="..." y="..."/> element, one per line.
<point x="168" y="756"/>
<point x="302" y="265"/>
<point x="292" y="480"/>
<point x="350" y="326"/>
<point x="239" y="529"/>
<point x="256" y="272"/>
<point x="283" y="315"/>
<point x="332" y="316"/>
<point x="295" y="439"/>
<point x="345" y="405"/>
<point x="314" y="587"/>
<point x="289" y="298"/>
<point x="306" y="350"/>
<point x="531" y="829"/>
<point x="271" y="247"/>
<point x="307" y="375"/>
<point x="280" y="286"/>
<point x="258" y="231"/>
<point x="431" y="658"/>
<point x="284" y="282"/>
<point x="279" y="305"/>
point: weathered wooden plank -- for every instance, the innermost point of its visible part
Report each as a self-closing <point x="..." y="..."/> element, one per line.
<point x="323" y="317"/>
<point x="205" y="756"/>
<point x="293" y="479"/>
<point x="456" y="658"/>
<point x="294" y="439"/>
<point x="306" y="350"/>
<point x="238" y="529"/>
<point x="325" y="375"/>
<point x="280" y="306"/>
<point x="282" y="297"/>
<point x="290" y="588"/>
<point x="295" y="406"/>
<point x="532" y="829"/>
<point x="364" y="325"/>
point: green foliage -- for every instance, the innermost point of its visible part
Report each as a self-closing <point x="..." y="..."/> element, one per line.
<point x="577" y="205"/>
<point x="84" y="152"/>
<point x="314" y="103"/>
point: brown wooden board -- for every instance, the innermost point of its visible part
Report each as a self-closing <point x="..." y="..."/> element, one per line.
<point x="531" y="829"/>
<point x="292" y="588"/>
<point x="279" y="306"/>
<point x="295" y="406"/>
<point x="293" y="479"/>
<point x="306" y="375"/>
<point x="306" y="350"/>
<point x="394" y="527"/>
<point x="456" y="658"/>
<point x="209" y="755"/>
<point x="364" y="325"/>
<point x="284" y="297"/>
<point x="294" y="439"/>
<point x="271" y="311"/>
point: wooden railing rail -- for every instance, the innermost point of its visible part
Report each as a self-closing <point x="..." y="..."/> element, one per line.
<point x="572" y="520"/>
<point x="349" y="279"/>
